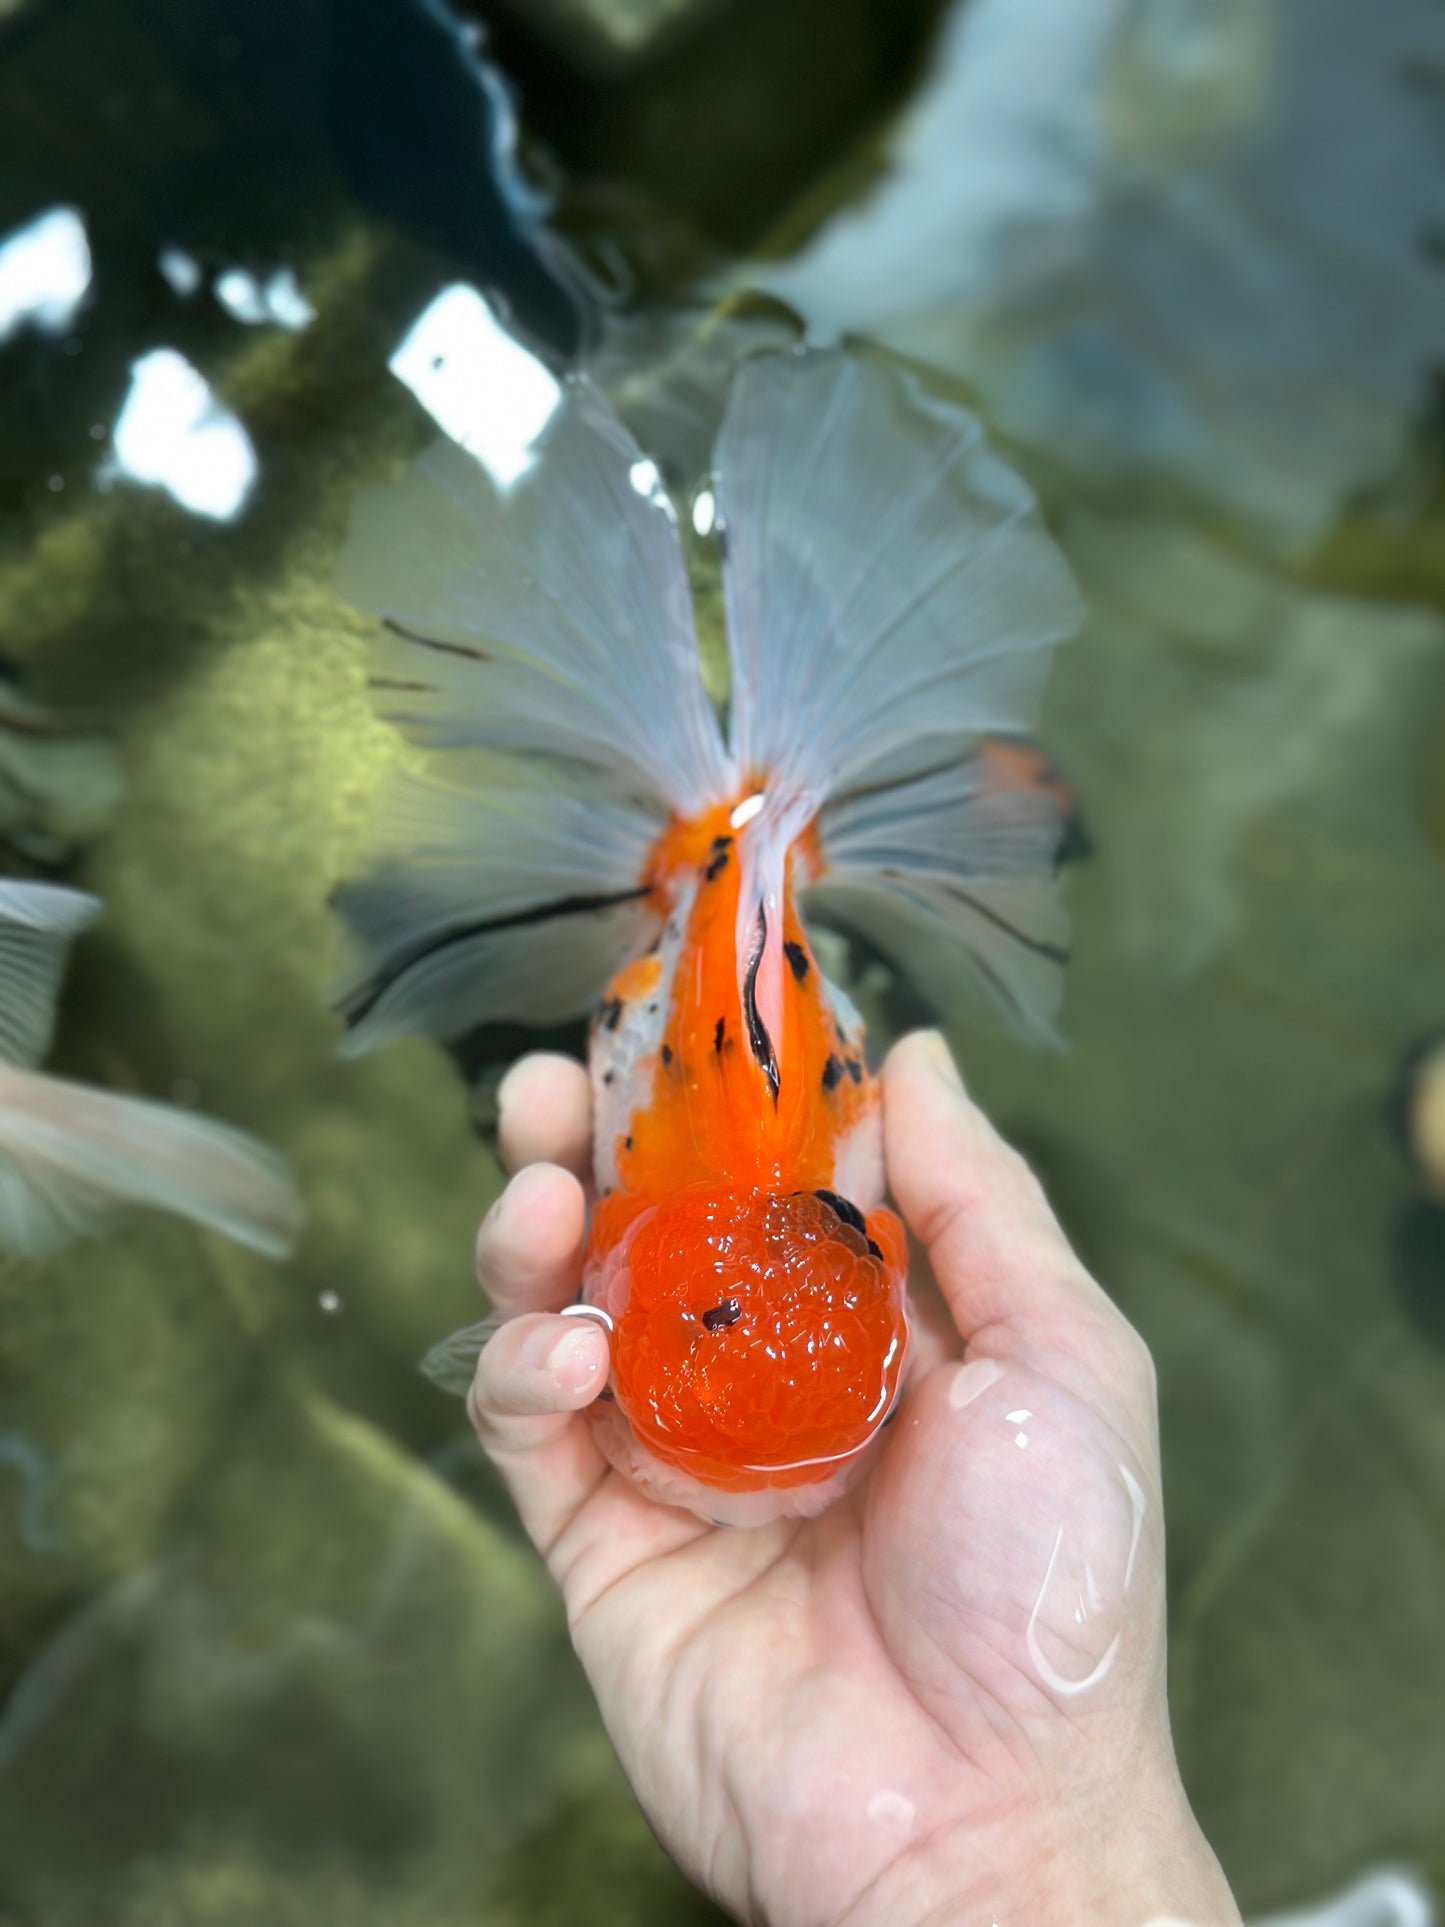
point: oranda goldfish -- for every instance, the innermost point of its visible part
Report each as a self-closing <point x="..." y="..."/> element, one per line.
<point x="891" y="600"/>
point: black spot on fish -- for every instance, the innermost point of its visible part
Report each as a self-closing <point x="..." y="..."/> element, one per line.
<point x="717" y="865"/>
<point x="759" y="1041"/>
<point x="652" y="1009"/>
<point x="845" y="1209"/>
<point x="726" y="1312"/>
<point x="855" y="1070"/>
<point x="719" y="1036"/>
<point x="607" y="1076"/>
<point x="797" y="957"/>
<point x="876" y="1249"/>
<point x="609" y="1013"/>
<point x="667" y="1053"/>
<point x="840" y="1033"/>
<point x="627" y="1143"/>
<point x="472" y="653"/>
<point x="832" y="1073"/>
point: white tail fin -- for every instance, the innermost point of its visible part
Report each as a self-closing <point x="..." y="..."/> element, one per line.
<point x="501" y="902"/>
<point x="892" y="595"/>
<point x="68" y="1152"/>
<point x="887" y="578"/>
<point x="552" y="615"/>
<point x="955" y="879"/>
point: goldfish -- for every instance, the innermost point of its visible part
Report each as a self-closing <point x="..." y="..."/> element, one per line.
<point x="68" y="1152"/>
<point x="892" y="601"/>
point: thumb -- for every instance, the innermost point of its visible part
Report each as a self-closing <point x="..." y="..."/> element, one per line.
<point x="1011" y="1280"/>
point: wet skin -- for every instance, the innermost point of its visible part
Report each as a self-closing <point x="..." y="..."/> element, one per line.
<point x="943" y="1700"/>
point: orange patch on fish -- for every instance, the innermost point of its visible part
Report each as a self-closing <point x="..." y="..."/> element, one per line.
<point x="760" y="1323"/>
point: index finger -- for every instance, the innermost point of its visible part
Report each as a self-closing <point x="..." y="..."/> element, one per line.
<point x="544" y="1114"/>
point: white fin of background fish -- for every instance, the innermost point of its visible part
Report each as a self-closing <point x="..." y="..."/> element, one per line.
<point x="1193" y="243"/>
<point x="68" y="1152"/>
<point x="1388" y="1897"/>
<point x="890" y="593"/>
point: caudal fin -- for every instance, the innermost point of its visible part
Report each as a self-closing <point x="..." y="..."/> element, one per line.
<point x="504" y="902"/>
<point x="893" y="597"/>
<point x="548" y="617"/>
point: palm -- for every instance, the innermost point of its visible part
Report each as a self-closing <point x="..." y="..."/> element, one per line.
<point x="788" y="1665"/>
<point x="819" y="1699"/>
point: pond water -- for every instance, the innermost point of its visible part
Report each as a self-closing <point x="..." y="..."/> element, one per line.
<point x="271" y="1644"/>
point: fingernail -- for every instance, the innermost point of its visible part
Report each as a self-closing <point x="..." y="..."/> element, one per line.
<point x="574" y="1359"/>
<point x="939" y="1059"/>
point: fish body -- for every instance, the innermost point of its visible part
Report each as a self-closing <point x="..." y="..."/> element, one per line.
<point x="892" y="601"/>
<point x="755" y="1284"/>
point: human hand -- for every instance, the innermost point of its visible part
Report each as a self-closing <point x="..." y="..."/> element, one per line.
<point x="944" y="1699"/>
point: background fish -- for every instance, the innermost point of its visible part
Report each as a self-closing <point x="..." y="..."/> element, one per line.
<point x="68" y="1152"/>
<point x="891" y="598"/>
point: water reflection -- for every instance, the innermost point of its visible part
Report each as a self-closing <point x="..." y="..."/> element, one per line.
<point x="477" y="382"/>
<point x="44" y="273"/>
<point x="275" y="298"/>
<point x="173" y="434"/>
